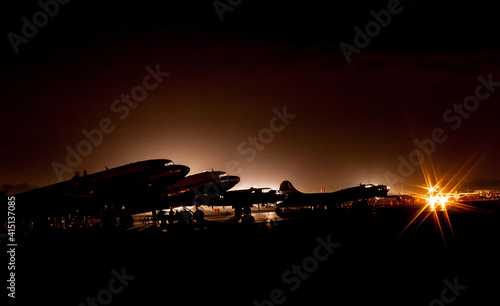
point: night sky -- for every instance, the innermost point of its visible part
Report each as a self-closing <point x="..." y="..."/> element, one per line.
<point x="347" y="123"/>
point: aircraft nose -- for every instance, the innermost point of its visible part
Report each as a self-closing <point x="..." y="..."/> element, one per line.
<point x="234" y="178"/>
<point x="184" y="170"/>
<point x="230" y="181"/>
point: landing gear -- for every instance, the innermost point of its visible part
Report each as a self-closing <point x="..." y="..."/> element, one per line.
<point x="199" y="216"/>
<point x="242" y="210"/>
<point x="243" y="213"/>
<point x="108" y="217"/>
<point x="247" y="215"/>
<point x="186" y="219"/>
<point x="247" y="210"/>
<point x="126" y="219"/>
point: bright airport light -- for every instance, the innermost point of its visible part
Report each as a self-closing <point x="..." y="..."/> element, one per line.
<point x="436" y="198"/>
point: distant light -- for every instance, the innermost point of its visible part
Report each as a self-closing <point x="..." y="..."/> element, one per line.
<point x="435" y="197"/>
<point x="433" y="189"/>
<point x="431" y="201"/>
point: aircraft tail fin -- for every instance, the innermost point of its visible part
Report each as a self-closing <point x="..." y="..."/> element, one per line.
<point x="286" y="187"/>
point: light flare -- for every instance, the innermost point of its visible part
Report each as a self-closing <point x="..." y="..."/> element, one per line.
<point x="437" y="200"/>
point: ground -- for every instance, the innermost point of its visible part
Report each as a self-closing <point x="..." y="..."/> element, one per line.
<point x="228" y="263"/>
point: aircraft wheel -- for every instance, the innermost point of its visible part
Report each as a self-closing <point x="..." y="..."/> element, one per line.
<point x="187" y="216"/>
<point x="198" y="215"/>
<point x="248" y="219"/>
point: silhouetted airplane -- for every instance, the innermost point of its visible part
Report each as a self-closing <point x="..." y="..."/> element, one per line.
<point x="295" y="198"/>
<point x="127" y="189"/>
<point x="198" y="189"/>
<point x="211" y="189"/>
<point x="243" y="200"/>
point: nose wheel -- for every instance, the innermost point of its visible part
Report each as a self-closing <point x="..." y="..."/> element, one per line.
<point x="245" y="213"/>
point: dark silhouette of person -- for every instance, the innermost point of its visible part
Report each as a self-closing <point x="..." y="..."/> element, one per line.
<point x="162" y="218"/>
<point x="154" y="217"/>
<point x="171" y="216"/>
